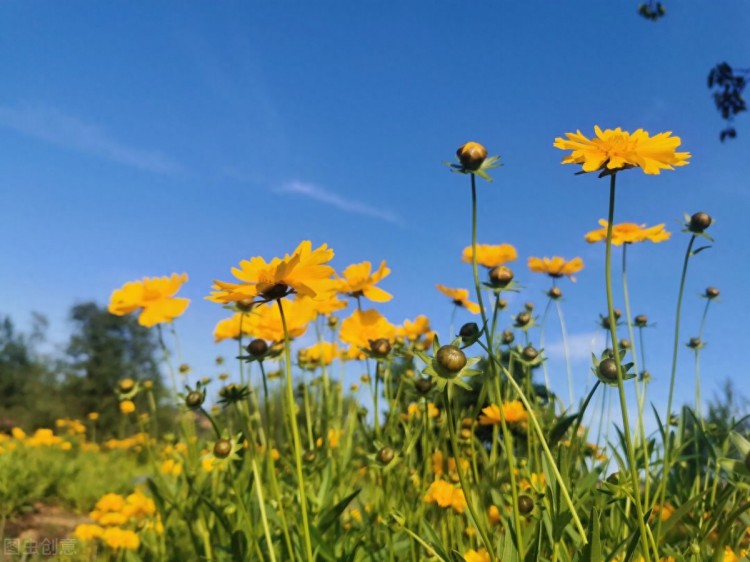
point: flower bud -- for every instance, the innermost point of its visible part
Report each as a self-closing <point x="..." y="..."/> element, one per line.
<point x="523" y="318"/>
<point x="555" y="293"/>
<point x="423" y="385"/>
<point x="694" y="343"/>
<point x="625" y="344"/>
<point x="386" y="455"/>
<point x="333" y="321"/>
<point x="469" y="331"/>
<point x="194" y="400"/>
<point x="309" y="456"/>
<point x="471" y="155"/>
<point x="529" y="306"/>
<point x="608" y="370"/>
<point x="699" y="222"/>
<point x="465" y="434"/>
<point x="451" y="358"/>
<point x="184" y="369"/>
<point x="641" y="320"/>
<point x="501" y="275"/>
<point x="508" y="337"/>
<point x="711" y="292"/>
<point x="257" y="348"/>
<point x="525" y="504"/>
<point x="380" y="347"/>
<point x="502" y="304"/>
<point x="222" y="448"/>
<point x="529" y="353"/>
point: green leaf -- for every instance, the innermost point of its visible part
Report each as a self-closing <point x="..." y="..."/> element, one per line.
<point x="331" y="515"/>
<point x="592" y="552"/>
<point x="560" y="428"/>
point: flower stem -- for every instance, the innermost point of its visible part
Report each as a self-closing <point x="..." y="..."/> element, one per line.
<point x="492" y="374"/>
<point x="620" y="385"/>
<point x="667" y="463"/>
<point x="291" y="407"/>
<point x="460" y="471"/>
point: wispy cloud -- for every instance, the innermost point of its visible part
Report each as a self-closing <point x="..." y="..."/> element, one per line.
<point x="335" y="200"/>
<point x="53" y="126"/>
<point x="580" y="346"/>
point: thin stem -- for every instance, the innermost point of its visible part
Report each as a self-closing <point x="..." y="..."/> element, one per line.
<point x="262" y="506"/>
<point x="568" y="364"/>
<point x="640" y="388"/>
<point x="667" y="441"/>
<point x="291" y="407"/>
<point x="459" y="470"/>
<point x="620" y="384"/>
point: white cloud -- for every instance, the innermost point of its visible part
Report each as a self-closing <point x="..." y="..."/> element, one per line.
<point x="580" y="346"/>
<point x="333" y="199"/>
<point x="53" y="126"/>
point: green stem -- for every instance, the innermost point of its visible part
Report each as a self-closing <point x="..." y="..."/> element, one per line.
<point x="543" y="441"/>
<point x="262" y="506"/>
<point x="568" y="365"/>
<point x="459" y="470"/>
<point x="667" y="464"/>
<point x="291" y="407"/>
<point x="640" y="388"/>
<point x="620" y="384"/>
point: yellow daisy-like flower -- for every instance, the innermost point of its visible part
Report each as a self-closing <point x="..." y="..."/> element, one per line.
<point x="628" y="233"/>
<point x="229" y="328"/>
<point x="460" y="297"/>
<point x="87" y="532"/>
<point x="414" y="329"/>
<point x="265" y="320"/>
<point x="358" y="280"/>
<point x="480" y="555"/>
<point x="512" y="411"/>
<point x="127" y="407"/>
<point x="446" y="495"/>
<point x="116" y="539"/>
<point x="304" y="272"/>
<point x="362" y="327"/>
<point x="318" y="355"/>
<point x="556" y="266"/>
<point x="155" y="296"/>
<point x="729" y="555"/>
<point x="615" y="149"/>
<point x="328" y="304"/>
<point x="491" y="256"/>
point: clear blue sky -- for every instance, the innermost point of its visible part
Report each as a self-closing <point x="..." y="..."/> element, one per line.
<point x="142" y="139"/>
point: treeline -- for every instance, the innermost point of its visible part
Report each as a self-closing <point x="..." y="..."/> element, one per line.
<point x="38" y="387"/>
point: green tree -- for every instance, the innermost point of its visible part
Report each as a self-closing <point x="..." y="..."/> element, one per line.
<point x="104" y="349"/>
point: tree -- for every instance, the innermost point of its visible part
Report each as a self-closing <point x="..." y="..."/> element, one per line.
<point x="104" y="349"/>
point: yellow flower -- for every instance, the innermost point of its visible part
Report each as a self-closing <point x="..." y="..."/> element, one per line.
<point x="556" y="266"/>
<point x="127" y="407"/>
<point x="116" y="539"/>
<point x="471" y="155"/>
<point x="328" y="304"/>
<point x="491" y="256"/>
<point x="18" y="433"/>
<point x="303" y="272"/>
<point x="138" y="505"/>
<point x="628" y="233"/>
<point x="460" y="297"/>
<point x="480" y="555"/>
<point x="155" y="295"/>
<point x="358" y="281"/>
<point x="615" y="149"/>
<point x="493" y="514"/>
<point x="87" y="532"/>
<point x="229" y="328"/>
<point x="729" y="555"/>
<point x="446" y="495"/>
<point x="513" y="412"/>
<point x="334" y="436"/>
<point x="362" y="327"/>
<point x="265" y="320"/>
<point x="110" y="502"/>
<point x="318" y="355"/>
<point x="170" y="466"/>
<point x="93" y="416"/>
<point x="413" y="329"/>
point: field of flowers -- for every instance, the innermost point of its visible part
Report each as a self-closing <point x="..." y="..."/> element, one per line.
<point x="463" y="451"/>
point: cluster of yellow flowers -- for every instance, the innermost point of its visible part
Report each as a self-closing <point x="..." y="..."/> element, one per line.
<point x="70" y="426"/>
<point x="134" y="442"/>
<point x="112" y="516"/>
<point x="446" y="495"/>
<point x="42" y="437"/>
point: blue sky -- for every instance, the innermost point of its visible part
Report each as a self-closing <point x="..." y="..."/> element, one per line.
<point x="139" y="139"/>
